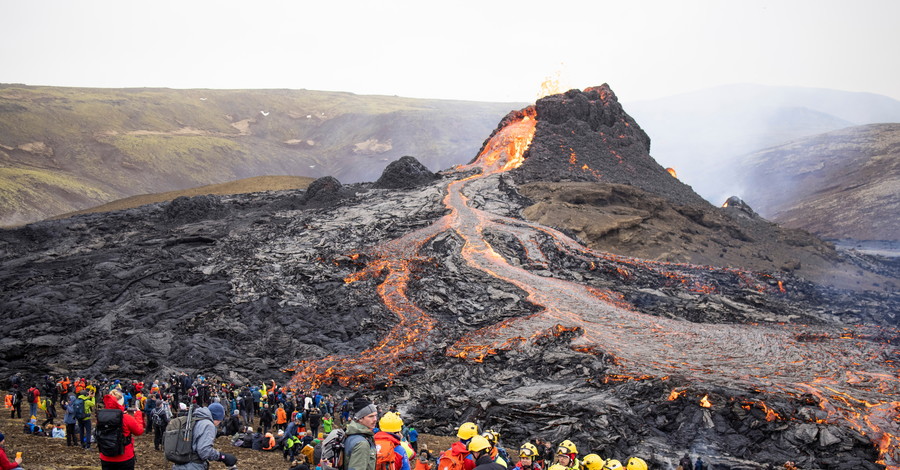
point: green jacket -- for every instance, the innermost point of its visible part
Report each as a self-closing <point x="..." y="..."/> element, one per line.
<point x="362" y="454"/>
<point x="89" y="403"/>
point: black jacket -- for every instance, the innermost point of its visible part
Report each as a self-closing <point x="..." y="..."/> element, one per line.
<point x="485" y="462"/>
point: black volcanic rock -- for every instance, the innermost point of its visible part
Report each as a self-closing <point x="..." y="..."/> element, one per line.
<point x="324" y="189"/>
<point x="588" y="136"/>
<point x="330" y="290"/>
<point x="189" y="209"/>
<point x="405" y="173"/>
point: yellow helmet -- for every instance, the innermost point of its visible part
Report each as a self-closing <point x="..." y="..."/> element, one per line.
<point x="528" y="450"/>
<point x="593" y="462"/>
<point x="478" y="444"/>
<point x="492" y="436"/>
<point x="390" y="422"/>
<point x="566" y="447"/>
<point x="467" y="431"/>
<point x="636" y="463"/>
<point x="612" y="464"/>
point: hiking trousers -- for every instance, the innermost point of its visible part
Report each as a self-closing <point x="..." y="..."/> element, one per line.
<point x="126" y="465"/>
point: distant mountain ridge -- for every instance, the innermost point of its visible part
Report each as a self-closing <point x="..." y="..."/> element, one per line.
<point x="838" y="185"/>
<point x="704" y="134"/>
<point x="68" y="149"/>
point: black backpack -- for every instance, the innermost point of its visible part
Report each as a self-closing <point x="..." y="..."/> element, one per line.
<point x="110" y="433"/>
<point x="30" y="395"/>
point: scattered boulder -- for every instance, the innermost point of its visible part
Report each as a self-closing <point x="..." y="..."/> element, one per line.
<point x="192" y="209"/>
<point x="405" y="173"/>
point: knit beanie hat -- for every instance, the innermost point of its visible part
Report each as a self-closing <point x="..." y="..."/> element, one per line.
<point x="217" y="411"/>
<point x="363" y="407"/>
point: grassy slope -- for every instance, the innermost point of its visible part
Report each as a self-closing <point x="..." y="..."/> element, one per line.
<point x="246" y="185"/>
<point x="66" y="149"/>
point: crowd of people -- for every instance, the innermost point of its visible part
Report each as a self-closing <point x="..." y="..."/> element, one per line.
<point x="305" y="428"/>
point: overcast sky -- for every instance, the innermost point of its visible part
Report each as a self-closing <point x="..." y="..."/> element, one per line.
<point x="473" y="50"/>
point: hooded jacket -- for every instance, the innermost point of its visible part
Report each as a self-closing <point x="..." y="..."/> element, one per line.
<point x="204" y="436"/>
<point x="69" y="417"/>
<point x="362" y="451"/>
<point x="131" y="425"/>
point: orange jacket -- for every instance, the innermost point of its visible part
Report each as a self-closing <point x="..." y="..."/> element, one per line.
<point x="280" y="416"/>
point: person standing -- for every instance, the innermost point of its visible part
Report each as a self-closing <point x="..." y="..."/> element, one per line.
<point x="34" y="397"/>
<point x="206" y="421"/>
<point x="84" y="422"/>
<point x="71" y="423"/>
<point x="359" y="444"/>
<point x="131" y="426"/>
<point x="16" y="411"/>
<point x="160" y="418"/>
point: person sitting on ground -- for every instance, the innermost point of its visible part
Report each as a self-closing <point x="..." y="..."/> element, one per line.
<point x="58" y="432"/>
<point x="233" y="424"/>
<point x="309" y="451"/>
<point x="32" y="427"/>
<point x="291" y="448"/>
<point x="298" y="465"/>
<point x="423" y="460"/>
<point x="269" y="442"/>
<point x="5" y="463"/>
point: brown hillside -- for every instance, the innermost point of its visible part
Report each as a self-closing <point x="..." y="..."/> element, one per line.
<point x="244" y="186"/>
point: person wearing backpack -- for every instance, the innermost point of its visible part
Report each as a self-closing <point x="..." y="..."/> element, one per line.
<point x="34" y="398"/>
<point x="160" y="419"/>
<point x="359" y="443"/>
<point x="390" y="454"/>
<point x="16" y="411"/>
<point x="126" y="426"/>
<point x="457" y="457"/>
<point x="84" y="405"/>
<point x="71" y="423"/>
<point x="205" y="422"/>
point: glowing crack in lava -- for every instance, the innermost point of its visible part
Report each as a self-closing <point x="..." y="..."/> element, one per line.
<point x="855" y="381"/>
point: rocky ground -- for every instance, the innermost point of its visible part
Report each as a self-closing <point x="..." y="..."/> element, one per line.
<point x="443" y="299"/>
<point x="44" y="453"/>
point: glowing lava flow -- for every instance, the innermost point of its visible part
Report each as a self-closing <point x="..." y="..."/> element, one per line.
<point x="840" y="372"/>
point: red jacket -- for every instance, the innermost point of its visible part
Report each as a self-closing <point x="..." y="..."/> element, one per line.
<point x="37" y="395"/>
<point x="132" y="425"/>
<point x="5" y="464"/>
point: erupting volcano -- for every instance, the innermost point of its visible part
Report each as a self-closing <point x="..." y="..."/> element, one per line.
<point x="854" y="380"/>
<point x="443" y="298"/>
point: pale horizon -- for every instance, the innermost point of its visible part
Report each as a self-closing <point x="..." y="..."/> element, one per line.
<point x="472" y="51"/>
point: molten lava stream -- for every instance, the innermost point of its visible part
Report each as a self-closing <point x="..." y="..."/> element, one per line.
<point x="755" y="357"/>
